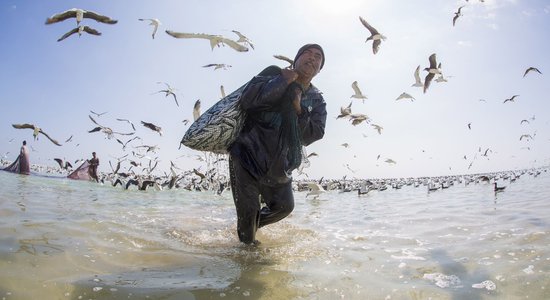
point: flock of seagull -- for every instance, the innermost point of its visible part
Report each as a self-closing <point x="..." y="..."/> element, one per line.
<point x="242" y="44"/>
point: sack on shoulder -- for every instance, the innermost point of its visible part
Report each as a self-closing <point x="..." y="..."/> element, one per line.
<point x="218" y="127"/>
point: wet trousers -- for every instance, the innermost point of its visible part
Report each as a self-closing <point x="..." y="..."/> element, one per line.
<point x="278" y="200"/>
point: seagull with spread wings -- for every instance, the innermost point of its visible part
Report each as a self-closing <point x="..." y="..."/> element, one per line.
<point x="79" y="14"/>
<point x="243" y="39"/>
<point x="432" y="70"/>
<point x="215" y="40"/>
<point x="375" y="36"/>
<point x="153" y="22"/>
<point x="357" y="92"/>
<point x="108" y="131"/>
<point x="152" y="127"/>
<point x="79" y="30"/>
<point x="405" y="96"/>
<point x="531" y="69"/>
<point x="511" y="99"/>
<point x="36" y="130"/>
<point x="284" y="58"/>
<point x="197" y="109"/>
<point x="417" y="80"/>
<point x="345" y="112"/>
<point x="217" y="66"/>
<point x="168" y="91"/>
<point x="458" y="13"/>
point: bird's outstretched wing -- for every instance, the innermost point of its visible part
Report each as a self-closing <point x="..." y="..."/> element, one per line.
<point x="71" y="13"/>
<point x="372" y="30"/>
<point x="66" y="35"/>
<point x="282" y="57"/>
<point x="99" y="18"/>
<point x="49" y="138"/>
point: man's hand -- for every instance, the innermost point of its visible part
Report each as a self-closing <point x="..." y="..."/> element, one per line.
<point x="289" y="75"/>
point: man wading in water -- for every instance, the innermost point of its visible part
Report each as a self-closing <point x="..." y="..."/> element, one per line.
<point x="284" y="112"/>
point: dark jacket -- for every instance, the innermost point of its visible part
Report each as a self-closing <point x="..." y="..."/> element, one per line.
<point x="264" y="143"/>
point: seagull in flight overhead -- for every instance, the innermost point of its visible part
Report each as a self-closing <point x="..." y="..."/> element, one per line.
<point x="418" y="81"/>
<point x="79" y="14"/>
<point x="153" y="22"/>
<point x="531" y="69"/>
<point x="458" y="13"/>
<point x="432" y="70"/>
<point x="405" y="96"/>
<point x="378" y="128"/>
<point x="375" y="36"/>
<point x="98" y="114"/>
<point x="79" y="30"/>
<point x="36" y="130"/>
<point x="108" y="131"/>
<point x="282" y="57"/>
<point x="511" y="99"/>
<point x="168" y="91"/>
<point x="243" y="39"/>
<point x="152" y="127"/>
<point x="345" y="111"/>
<point x="357" y="92"/>
<point x="128" y="121"/>
<point x="217" y="66"/>
<point x="63" y="164"/>
<point x="358" y="119"/>
<point x="197" y="109"/>
<point x="215" y="40"/>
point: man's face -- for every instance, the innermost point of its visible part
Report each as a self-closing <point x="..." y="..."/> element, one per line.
<point x="309" y="63"/>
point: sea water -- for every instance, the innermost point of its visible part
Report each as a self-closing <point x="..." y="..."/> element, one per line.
<point x="65" y="239"/>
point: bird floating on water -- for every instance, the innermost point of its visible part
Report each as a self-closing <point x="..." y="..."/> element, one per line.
<point x="375" y="36"/>
<point x="79" y="14"/>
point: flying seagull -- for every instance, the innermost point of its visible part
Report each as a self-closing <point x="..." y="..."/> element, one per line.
<point x="418" y="81"/>
<point x="405" y="96"/>
<point x="215" y="40"/>
<point x="63" y="164"/>
<point x="243" y="39"/>
<point x="128" y="121"/>
<point x="377" y="128"/>
<point x="345" y="111"/>
<point x="217" y="66"/>
<point x="357" y="92"/>
<point x="197" y="109"/>
<point x="282" y="57"/>
<point x="222" y="90"/>
<point x="375" y="36"/>
<point x="432" y="70"/>
<point x="531" y="69"/>
<point x="153" y="22"/>
<point x="152" y="127"/>
<point x="168" y="91"/>
<point x="36" y="130"/>
<point x="108" y="131"/>
<point x="98" y="114"/>
<point x="79" y="30"/>
<point x="79" y="14"/>
<point x="511" y="99"/>
<point x="358" y="119"/>
<point x="457" y="14"/>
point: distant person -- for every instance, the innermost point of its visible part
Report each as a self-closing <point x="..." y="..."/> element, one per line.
<point x="284" y="112"/>
<point x="22" y="164"/>
<point x="92" y="169"/>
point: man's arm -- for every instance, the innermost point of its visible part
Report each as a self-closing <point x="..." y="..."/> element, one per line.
<point x="312" y="123"/>
<point x="264" y="92"/>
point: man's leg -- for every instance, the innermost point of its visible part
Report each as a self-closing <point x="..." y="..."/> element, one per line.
<point x="279" y="202"/>
<point x="246" y="198"/>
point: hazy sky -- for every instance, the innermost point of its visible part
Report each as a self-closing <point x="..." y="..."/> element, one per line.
<point x="55" y="84"/>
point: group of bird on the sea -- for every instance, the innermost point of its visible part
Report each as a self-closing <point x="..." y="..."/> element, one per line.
<point x="215" y="178"/>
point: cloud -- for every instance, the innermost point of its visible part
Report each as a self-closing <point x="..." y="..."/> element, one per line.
<point x="465" y="43"/>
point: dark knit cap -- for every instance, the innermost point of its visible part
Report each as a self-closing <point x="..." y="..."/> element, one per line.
<point x="307" y="46"/>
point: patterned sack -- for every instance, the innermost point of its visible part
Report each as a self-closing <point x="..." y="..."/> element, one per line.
<point x="217" y="127"/>
<point x="220" y="125"/>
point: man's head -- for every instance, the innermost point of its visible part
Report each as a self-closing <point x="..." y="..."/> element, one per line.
<point x="309" y="60"/>
<point x="93" y="154"/>
<point x="24" y="143"/>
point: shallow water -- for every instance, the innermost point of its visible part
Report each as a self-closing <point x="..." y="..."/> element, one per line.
<point x="64" y="239"/>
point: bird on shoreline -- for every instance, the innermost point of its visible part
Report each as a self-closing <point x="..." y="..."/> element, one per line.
<point x="79" y="14"/>
<point x="375" y="36"/>
<point x="215" y="40"/>
<point x="153" y="22"/>
<point x="79" y="30"/>
<point x="36" y="130"/>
